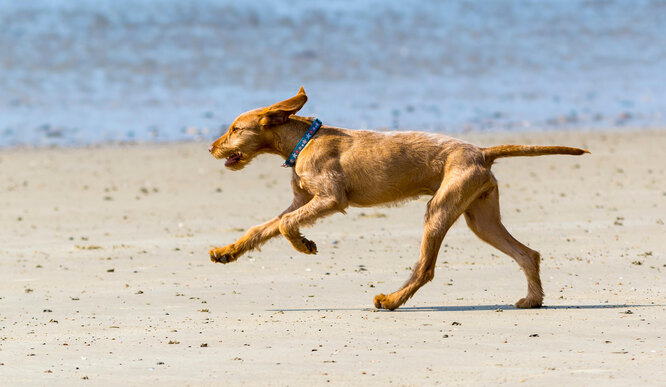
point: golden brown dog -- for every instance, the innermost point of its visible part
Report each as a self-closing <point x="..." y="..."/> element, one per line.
<point x="340" y="167"/>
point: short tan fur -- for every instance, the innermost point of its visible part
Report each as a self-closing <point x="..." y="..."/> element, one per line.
<point x="341" y="168"/>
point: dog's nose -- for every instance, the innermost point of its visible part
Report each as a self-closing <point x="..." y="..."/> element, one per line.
<point x="210" y="149"/>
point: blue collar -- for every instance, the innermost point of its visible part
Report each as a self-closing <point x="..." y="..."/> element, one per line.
<point x="291" y="160"/>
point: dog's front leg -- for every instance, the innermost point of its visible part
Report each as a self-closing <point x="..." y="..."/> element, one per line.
<point x="252" y="239"/>
<point x="257" y="235"/>
<point x="318" y="207"/>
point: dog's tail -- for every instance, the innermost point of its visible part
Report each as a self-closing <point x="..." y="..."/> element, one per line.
<point x="495" y="152"/>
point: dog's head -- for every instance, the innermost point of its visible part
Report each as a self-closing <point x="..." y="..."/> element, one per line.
<point x="251" y="133"/>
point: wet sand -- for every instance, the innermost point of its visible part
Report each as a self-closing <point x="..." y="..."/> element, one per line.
<point x="106" y="280"/>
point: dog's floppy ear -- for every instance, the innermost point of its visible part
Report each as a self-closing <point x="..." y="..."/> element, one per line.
<point x="278" y="113"/>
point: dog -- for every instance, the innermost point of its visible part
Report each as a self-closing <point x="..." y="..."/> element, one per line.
<point x="338" y="168"/>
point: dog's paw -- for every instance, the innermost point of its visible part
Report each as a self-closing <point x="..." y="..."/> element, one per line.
<point x="382" y="301"/>
<point x="222" y="255"/>
<point x="305" y="246"/>
<point x="310" y="246"/>
<point x="527" y="303"/>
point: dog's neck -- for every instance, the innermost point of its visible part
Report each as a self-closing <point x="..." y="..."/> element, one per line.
<point x="286" y="136"/>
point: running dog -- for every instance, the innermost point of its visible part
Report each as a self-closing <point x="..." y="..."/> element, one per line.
<point x="335" y="168"/>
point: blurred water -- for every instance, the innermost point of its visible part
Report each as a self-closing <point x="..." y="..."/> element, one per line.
<point x="80" y="72"/>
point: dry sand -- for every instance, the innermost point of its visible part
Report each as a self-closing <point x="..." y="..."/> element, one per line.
<point x="106" y="279"/>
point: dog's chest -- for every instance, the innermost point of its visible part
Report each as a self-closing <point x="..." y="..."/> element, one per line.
<point x="317" y="181"/>
<point x="298" y="181"/>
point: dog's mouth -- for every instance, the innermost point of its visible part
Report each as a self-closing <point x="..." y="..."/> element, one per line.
<point x="233" y="159"/>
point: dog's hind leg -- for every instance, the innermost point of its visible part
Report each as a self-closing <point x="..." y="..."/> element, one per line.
<point x="258" y="235"/>
<point x="483" y="217"/>
<point x="448" y="203"/>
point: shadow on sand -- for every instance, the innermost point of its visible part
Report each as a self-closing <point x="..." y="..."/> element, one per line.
<point x="465" y="308"/>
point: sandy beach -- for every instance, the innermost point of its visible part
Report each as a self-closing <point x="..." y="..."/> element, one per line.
<point x="106" y="278"/>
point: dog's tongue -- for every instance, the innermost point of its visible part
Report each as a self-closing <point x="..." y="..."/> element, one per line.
<point x="232" y="159"/>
